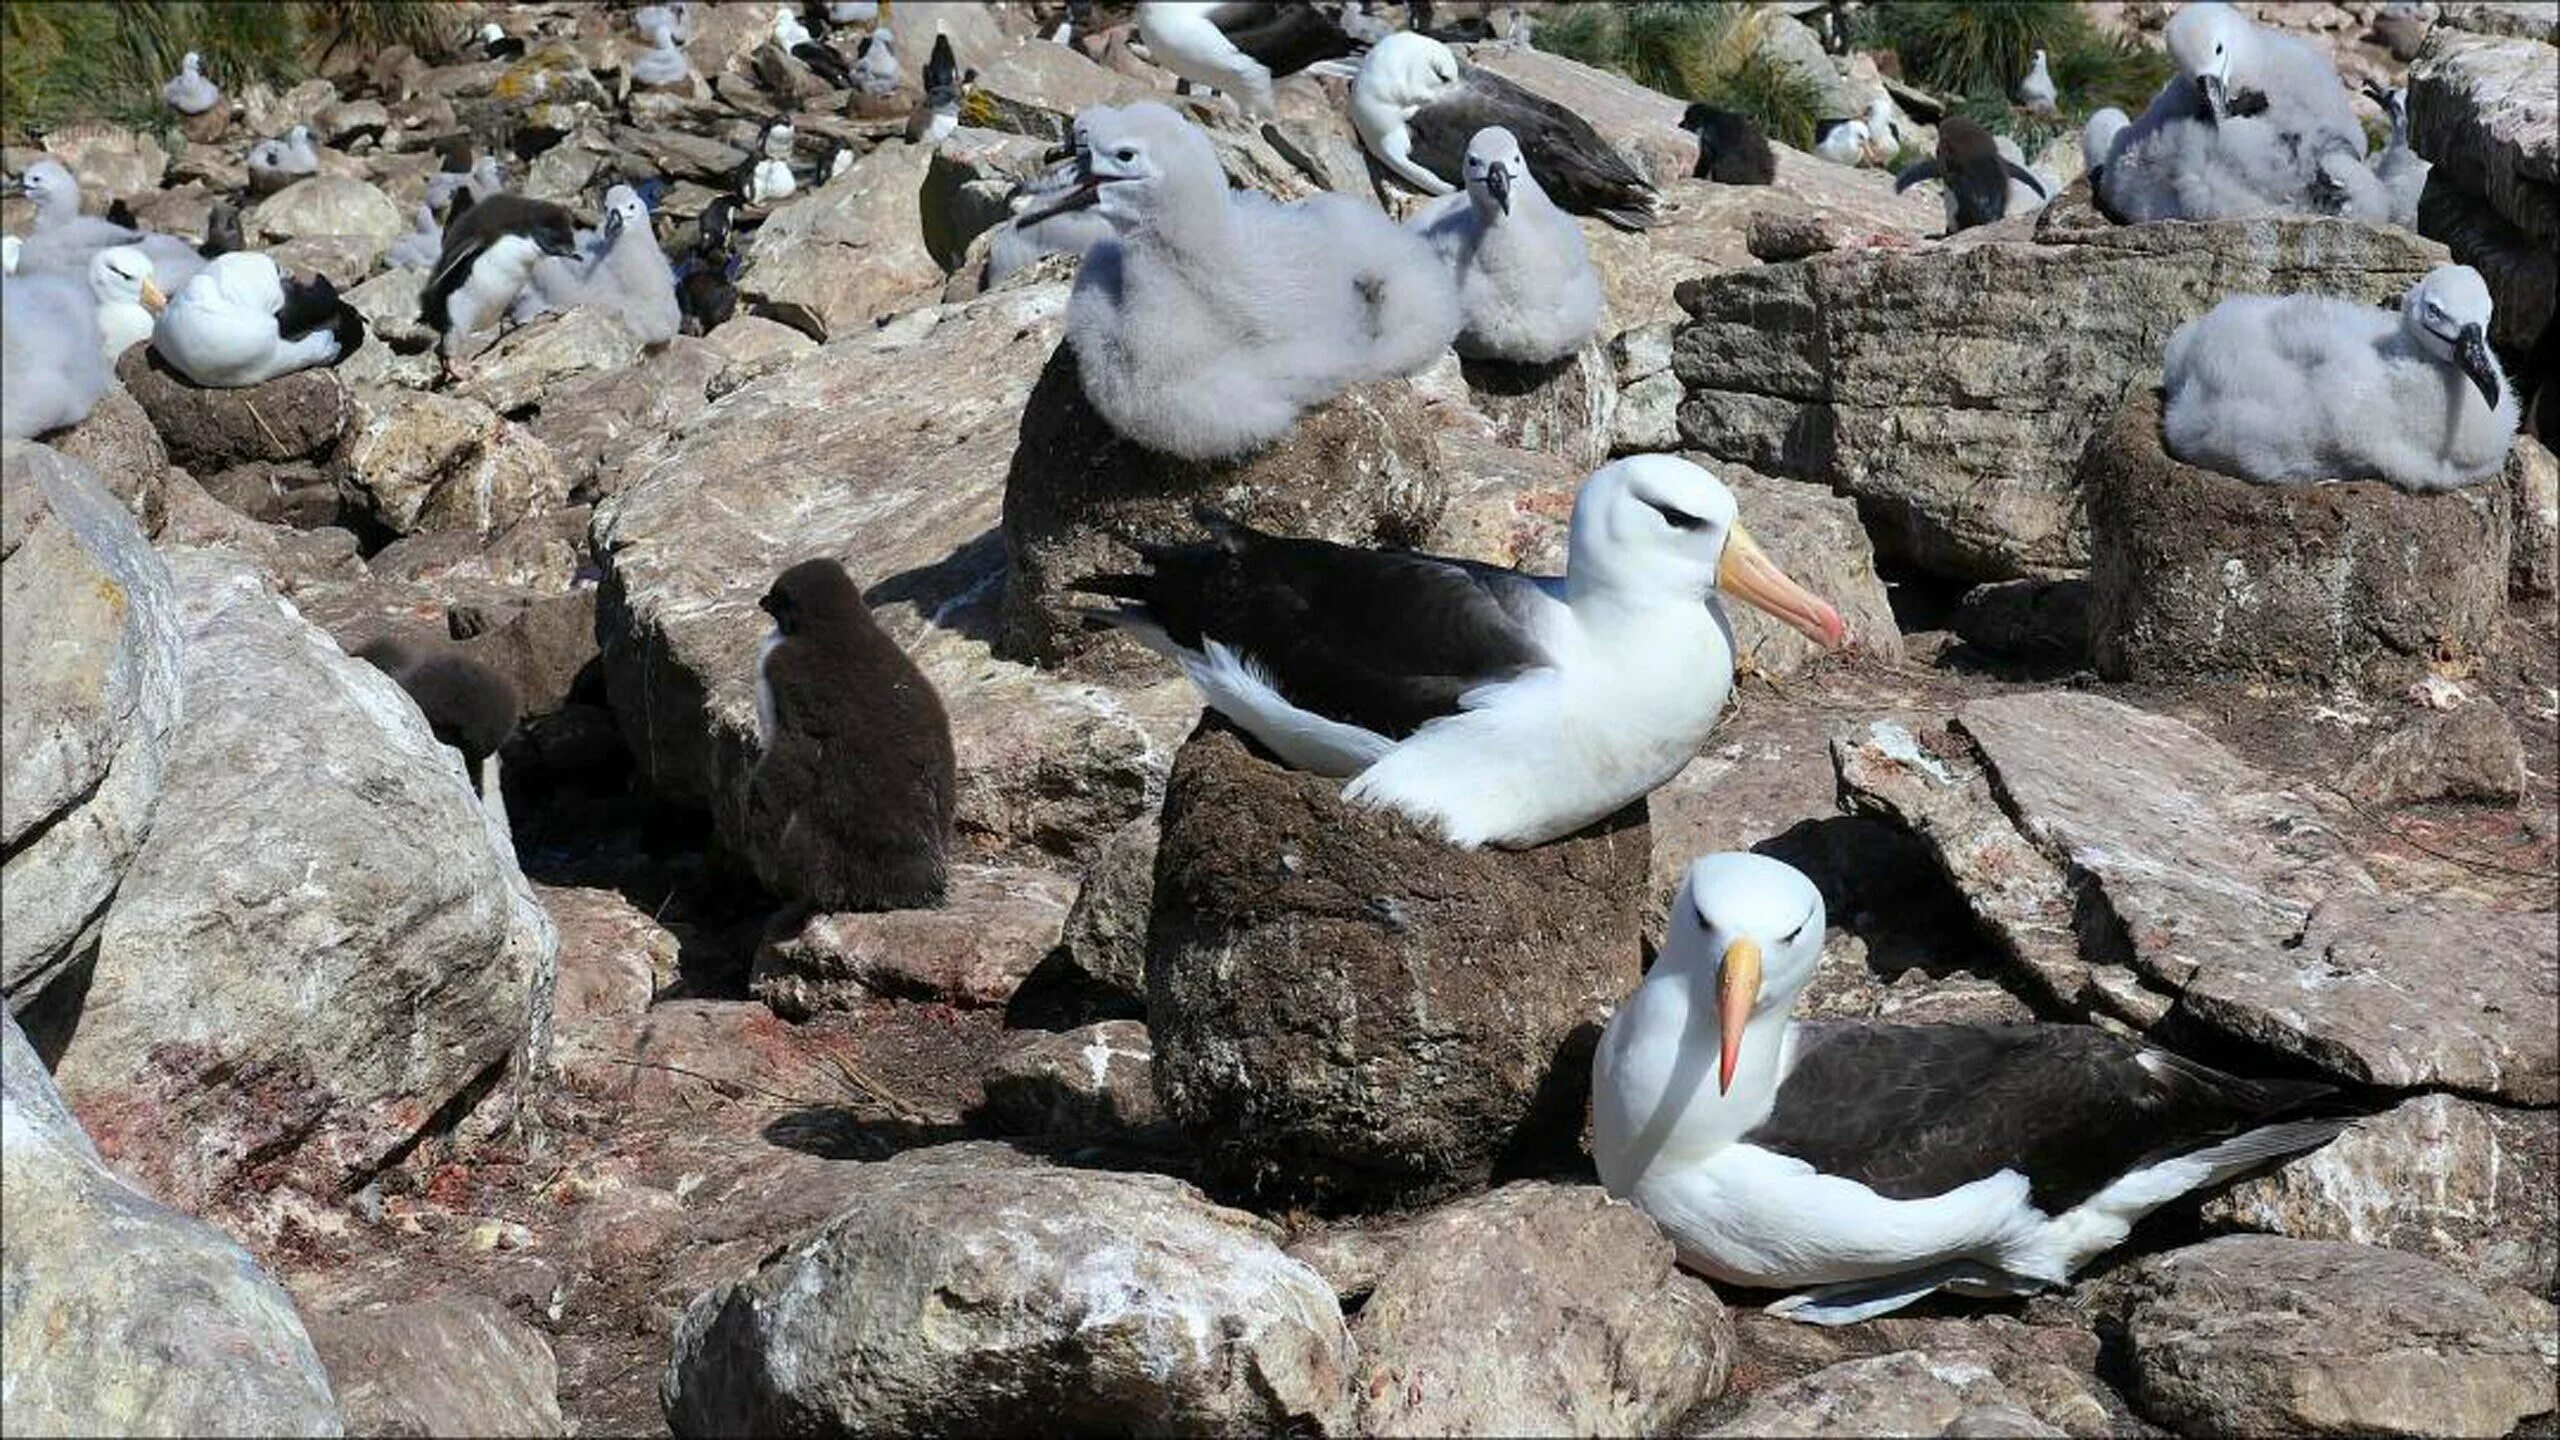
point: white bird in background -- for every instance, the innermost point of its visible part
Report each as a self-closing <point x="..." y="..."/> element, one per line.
<point x="620" y="270"/>
<point x="769" y="174"/>
<point x="1211" y="319"/>
<point x="1884" y="130"/>
<point x="2297" y="388"/>
<point x="2036" y="91"/>
<point x="2402" y="173"/>
<point x="1879" y="1162"/>
<point x="1526" y="289"/>
<point x="418" y="249"/>
<point x="663" y="65"/>
<point x="876" y="71"/>
<point x="1185" y="39"/>
<point x="2098" y="137"/>
<point x="188" y="92"/>
<point x="274" y="164"/>
<point x="120" y="279"/>
<point x="1497" y="708"/>
<point x="670" y="24"/>
<point x="1844" y="143"/>
<point x="241" y="323"/>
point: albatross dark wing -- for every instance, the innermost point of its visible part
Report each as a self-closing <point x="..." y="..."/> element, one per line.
<point x="313" y="304"/>
<point x="1286" y="38"/>
<point x="1581" y="172"/>
<point x="1384" y="640"/>
<point x="1912" y="1111"/>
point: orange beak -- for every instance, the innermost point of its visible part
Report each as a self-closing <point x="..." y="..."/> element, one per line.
<point x="1737" y="990"/>
<point x="1748" y="574"/>
<point x="152" y="299"/>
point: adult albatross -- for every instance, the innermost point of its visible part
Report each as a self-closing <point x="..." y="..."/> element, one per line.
<point x="1877" y="1163"/>
<point x="1496" y="707"/>
<point x="1416" y="107"/>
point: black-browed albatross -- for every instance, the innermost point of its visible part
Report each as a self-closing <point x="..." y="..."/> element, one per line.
<point x="1876" y="1163"/>
<point x="1496" y="707"/>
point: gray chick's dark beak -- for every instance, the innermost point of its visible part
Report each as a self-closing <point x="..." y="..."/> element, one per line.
<point x="2471" y="349"/>
<point x="2215" y="95"/>
<point x="1497" y="183"/>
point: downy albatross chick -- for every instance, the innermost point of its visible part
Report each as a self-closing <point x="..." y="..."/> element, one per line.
<point x="850" y="805"/>
<point x="188" y="92"/>
<point x="663" y="65"/>
<point x="623" y="272"/>
<point x="1211" y="319"/>
<point x="2036" y="91"/>
<point x="63" y="241"/>
<point x="241" y="322"/>
<point x="1416" y="107"/>
<point x="876" y="71"/>
<point x="2284" y="389"/>
<point x="53" y="368"/>
<point x="489" y="255"/>
<point x="2402" y="173"/>
<point x="1879" y="1162"/>
<point x="274" y="164"/>
<point x="1495" y="707"/>
<point x="1526" y="289"/>
<point x="1976" y="174"/>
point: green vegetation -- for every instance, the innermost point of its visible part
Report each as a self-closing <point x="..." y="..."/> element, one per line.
<point x="67" y="60"/>
<point x="1690" y="50"/>
<point x="1976" y="51"/>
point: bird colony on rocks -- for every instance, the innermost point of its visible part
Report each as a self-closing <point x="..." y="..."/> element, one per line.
<point x="846" y="718"/>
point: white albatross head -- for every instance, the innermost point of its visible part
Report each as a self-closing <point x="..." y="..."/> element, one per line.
<point x="1137" y="164"/>
<point x="1495" y="168"/>
<point x="121" y="275"/>
<point x="1658" y="525"/>
<point x="1405" y="70"/>
<point x="1751" y="927"/>
<point x="2208" y="43"/>
<point x="2446" y="315"/>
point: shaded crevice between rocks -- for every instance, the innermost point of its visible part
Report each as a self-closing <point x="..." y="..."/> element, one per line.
<point x="447" y="1118"/>
<point x="71" y="805"/>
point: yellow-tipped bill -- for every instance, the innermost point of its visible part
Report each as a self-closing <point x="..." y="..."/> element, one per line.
<point x="152" y="299"/>
<point x="1737" y="990"/>
<point x="1748" y="574"/>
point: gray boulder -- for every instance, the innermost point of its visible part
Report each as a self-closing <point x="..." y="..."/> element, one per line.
<point x="2199" y="575"/>
<point x="325" y="940"/>
<point x="1951" y="389"/>
<point x="420" y="461"/>
<point x="1347" y="1008"/>
<point x="833" y="260"/>
<point x="1538" y="1309"/>
<point x="2252" y="1333"/>
<point x="121" y="1315"/>
<point x="450" y="1365"/>
<point x="1095" y="1082"/>
<point x="947" y="1296"/>
<point x="90" y="692"/>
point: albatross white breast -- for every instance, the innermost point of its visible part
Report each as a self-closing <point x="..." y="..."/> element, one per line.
<point x="1497" y="707"/>
<point x="1877" y="1163"/>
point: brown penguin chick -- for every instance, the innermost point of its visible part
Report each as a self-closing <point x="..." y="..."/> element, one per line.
<point x="850" y="808"/>
<point x="468" y="705"/>
<point x="1976" y="174"/>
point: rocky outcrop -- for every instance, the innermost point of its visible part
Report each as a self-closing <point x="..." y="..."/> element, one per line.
<point x="831" y="262"/>
<point x="2475" y="1186"/>
<point x="2138" y="868"/>
<point x="121" y="1315"/>
<point x="324" y="944"/>
<point x="2251" y="1333"/>
<point x="528" y="363"/>
<point x="2470" y="752"/>
<point x="329" y="205"/>
<point x="451" y="1365"/>
<point x="1601" y="1333"/>
<point x="90" y="691"/>
<point x="2199" y="575"/>
<point x="2486" y="110"/>
<point x="419" y="461"/>
<point x="952" y="1294"/>
<point x="1361" y="470"/>
<point x="1346" y="1008"/>
<point x="1902" y="1392"/>
<point x="841" y="454"/>
<point x="1951" y="388"/>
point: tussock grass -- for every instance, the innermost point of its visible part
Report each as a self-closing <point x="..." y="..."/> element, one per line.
<point x="1976" y="52"/>
<point x="68" y="60"/>
<point x="1690" y="50"/>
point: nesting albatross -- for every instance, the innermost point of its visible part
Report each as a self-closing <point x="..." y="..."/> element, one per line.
<point x="1878" y="1162"/>
<point x="1495" y="707"/>
<point x="1416" y="107"/>
<point x="1525" y="283"/>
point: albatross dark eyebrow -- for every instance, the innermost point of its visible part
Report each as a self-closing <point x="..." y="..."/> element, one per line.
<point x="1680" y="519"/>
